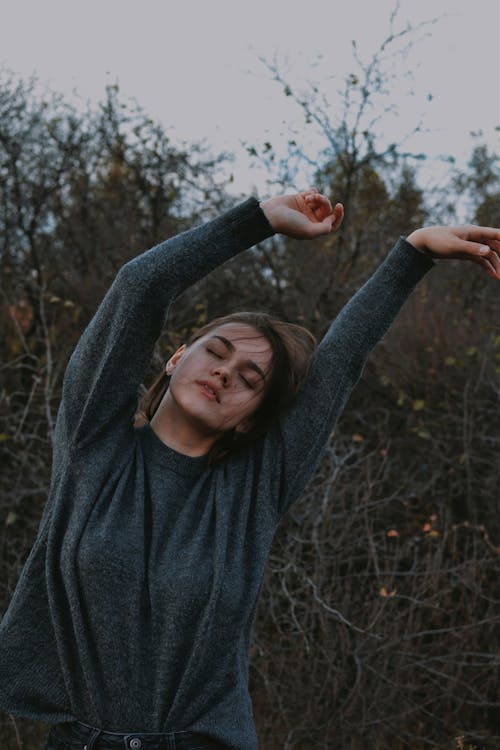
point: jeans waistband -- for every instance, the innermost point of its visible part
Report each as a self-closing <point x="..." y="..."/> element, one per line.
<point x="81" y="736"/>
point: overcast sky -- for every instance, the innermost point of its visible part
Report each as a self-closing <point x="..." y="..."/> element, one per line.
<point x="195" y="65"/>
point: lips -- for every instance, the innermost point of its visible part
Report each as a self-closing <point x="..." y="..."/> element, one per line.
<point x="209" y="389"/>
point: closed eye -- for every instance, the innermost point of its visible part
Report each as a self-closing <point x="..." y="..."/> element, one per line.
<point x="211" y="351"/>
<point x="247" y="382"/>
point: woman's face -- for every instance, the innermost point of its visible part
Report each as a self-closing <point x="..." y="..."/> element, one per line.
<point x="219" y="381"/>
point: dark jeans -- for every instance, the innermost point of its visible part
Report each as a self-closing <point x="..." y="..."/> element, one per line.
<point x="74" y="735"/>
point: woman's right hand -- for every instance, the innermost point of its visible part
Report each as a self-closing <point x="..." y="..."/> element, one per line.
<point x="304" y="215"/>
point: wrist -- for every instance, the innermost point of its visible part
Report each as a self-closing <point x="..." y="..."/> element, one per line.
<point x="266" y="208"/>
<point x="418" y="240"/>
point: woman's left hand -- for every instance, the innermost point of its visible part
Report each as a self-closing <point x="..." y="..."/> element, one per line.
<point x="304" y="215"/>
<point x="480" y="245"/>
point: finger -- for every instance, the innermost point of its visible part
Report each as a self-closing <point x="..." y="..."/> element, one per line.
<point x="470" y="249"/>
<point x="319" y="205"/>
<point x="487" y="247"/>
<point x="483" y="234"/>
<point x="328" y="225"/>
<point x="310" y="192"/>
<point x="316" y="198"/>
<point x="483" y="255"/>
<point x="494" y="261"/>
<point x="490" y="256"/>
<point x="338" y="215"/>
<point x="324" y="206"/>
<point x="492" y="267"/>
<point x="493" y="245"/>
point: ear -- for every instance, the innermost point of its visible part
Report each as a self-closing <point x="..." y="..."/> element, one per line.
<point x="174" y="359"/>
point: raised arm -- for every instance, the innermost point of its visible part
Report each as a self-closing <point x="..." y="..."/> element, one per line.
<point x="108" y="364"/>
<point x="303" y="433"/>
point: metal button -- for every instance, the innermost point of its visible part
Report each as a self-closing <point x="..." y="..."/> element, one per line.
<point x="135" y="743"/>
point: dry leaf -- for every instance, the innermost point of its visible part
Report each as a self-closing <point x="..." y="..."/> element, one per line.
<point x="383" y="592"/>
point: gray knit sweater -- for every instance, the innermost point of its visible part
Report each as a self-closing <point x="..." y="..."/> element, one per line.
<point x="134" y="610"/>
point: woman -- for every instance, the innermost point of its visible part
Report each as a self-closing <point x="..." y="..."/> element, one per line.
<point x="131" y="622"/>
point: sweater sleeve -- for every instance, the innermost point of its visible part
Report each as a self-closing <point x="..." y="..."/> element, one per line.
<point x="109" y="362"/>
<point x="303" y="432"/>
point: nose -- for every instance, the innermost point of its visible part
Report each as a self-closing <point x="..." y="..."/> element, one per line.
<point x="222" y="372"/>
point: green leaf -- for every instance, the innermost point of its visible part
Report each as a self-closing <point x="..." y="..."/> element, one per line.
<point x="424" y="434"/>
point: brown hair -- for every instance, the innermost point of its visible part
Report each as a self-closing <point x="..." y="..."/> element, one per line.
<point x="293" y="347"/>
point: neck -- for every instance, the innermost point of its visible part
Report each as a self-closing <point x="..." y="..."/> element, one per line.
<point x="173" y="429"/>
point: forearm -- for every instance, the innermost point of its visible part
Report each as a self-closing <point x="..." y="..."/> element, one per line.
<point x="174" y="265"/>
<point x="340" y="359"/>
<point x="368" y="315"/>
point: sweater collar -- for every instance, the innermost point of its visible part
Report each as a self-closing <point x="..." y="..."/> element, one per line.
<point x="170" y="458"/>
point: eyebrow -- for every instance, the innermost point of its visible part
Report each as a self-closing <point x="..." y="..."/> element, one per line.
<point x="249" y="363"/>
